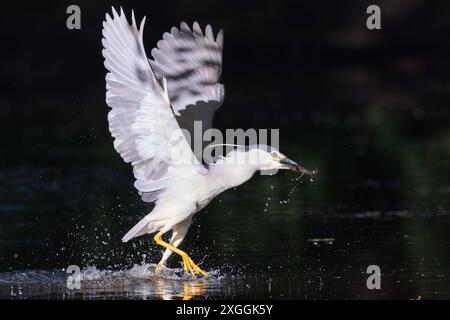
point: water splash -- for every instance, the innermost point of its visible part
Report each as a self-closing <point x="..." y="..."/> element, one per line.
<point x="291" y="192"/>
<point x="140" y="281"/>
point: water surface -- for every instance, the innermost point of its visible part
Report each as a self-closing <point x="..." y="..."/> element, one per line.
<point x="276" y="237"/>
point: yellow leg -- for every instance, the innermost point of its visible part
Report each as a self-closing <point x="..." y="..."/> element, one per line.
<point x="188" y="264"/>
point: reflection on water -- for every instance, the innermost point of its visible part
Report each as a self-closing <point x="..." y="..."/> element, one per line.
<point x="186" y="291"/>
<point x="140" y="282"/>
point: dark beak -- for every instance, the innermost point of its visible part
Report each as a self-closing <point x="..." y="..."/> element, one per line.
<point x="291" y="165"/>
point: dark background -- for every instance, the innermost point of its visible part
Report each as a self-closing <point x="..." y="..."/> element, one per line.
<point x="286" y="65"/>
<point x="369" y="108"/>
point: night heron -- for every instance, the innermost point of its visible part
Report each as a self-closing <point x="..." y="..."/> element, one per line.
<point x="150" y="100"/>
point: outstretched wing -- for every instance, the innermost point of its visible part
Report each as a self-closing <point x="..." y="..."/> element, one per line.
<point x="141" y="120"/>
<point x="192" y="64"/>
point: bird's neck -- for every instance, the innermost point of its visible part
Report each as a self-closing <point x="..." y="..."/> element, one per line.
<point x="227" y="176"/>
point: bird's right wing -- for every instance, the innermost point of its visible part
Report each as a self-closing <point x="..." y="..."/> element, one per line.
<point x="192" y="64"/>
<point x="141" y="120"/>
<point x="191" y="61"/>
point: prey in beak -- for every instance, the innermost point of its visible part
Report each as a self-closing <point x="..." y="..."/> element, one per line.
<point x="293" y="166"/>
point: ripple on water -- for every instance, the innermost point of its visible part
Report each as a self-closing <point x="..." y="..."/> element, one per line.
<point x="139" y="282"/>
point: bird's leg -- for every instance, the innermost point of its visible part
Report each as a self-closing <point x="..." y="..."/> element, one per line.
<point x="178" y="233"/>
<point x="174" y="241"/>
<point x="187" y="261"/>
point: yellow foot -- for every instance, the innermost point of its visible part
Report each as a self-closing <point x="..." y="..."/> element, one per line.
<point x="190" y="266"/>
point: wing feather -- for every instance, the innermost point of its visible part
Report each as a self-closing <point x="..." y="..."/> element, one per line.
<point x="191" y="61"/>
<point x="141" y="120"/>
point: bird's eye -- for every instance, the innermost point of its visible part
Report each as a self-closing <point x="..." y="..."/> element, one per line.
<point x="275" y="154"/>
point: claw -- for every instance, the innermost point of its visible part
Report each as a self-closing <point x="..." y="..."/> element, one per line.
<point x="192" y="267"/>
<point x="187" y="265"/>
<point x="196" y="268"/>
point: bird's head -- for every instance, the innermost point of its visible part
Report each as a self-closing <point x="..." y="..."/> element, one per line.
<point x="270" y="159"/>
<point x="266" y="159"/>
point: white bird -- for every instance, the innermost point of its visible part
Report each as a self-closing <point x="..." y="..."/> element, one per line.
<point x="149" y="101"/>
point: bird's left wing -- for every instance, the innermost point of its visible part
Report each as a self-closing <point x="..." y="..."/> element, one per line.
<point x="141" y="120"/>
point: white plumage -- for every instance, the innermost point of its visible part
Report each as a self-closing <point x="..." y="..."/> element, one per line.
<point x="150" y="101"/>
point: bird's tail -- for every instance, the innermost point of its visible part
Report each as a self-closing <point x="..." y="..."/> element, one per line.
<point x="146" y="225"/>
